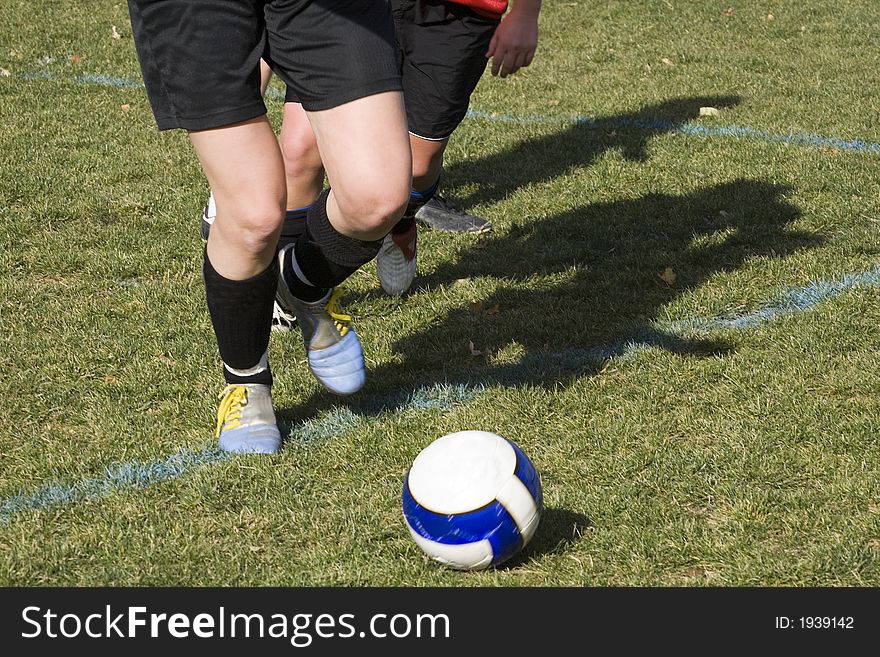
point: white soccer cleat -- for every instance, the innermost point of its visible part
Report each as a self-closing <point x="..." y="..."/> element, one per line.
<point x="396" y="261"/>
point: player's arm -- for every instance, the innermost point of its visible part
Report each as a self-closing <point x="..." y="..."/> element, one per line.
<point x="516" y="38"/>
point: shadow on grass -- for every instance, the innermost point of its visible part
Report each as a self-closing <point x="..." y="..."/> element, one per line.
<point x="577" y="146"/>
<point x="611" y="300"/>
<point x="605" y="259"/>
<point x="557" y="530"/>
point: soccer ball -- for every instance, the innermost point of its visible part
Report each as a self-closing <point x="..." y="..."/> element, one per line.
<point x="472" y="499"/>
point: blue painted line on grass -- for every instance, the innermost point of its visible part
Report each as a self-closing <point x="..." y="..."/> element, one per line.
<point x="650" y="124"/>
<point x="340" y="420"/>
<point x="137" y="474"/>
<point x="108" y="80"/>
<point x="664" y="125"/>
<point x="440" y="396"/>
<point x="792" y="301"/>
<point x="127" y="475"/>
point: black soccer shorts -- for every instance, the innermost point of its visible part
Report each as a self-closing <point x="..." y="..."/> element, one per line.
<point x="200" y="58"/>
<point x="442" y="50"/>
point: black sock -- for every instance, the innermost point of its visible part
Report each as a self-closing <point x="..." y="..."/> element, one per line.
<point x="241" y="313"/>
<point x="299" y="288"/>
<point x="416" y="201"/>
<point x="294" y="225"/>
<point x="324" y="256"/>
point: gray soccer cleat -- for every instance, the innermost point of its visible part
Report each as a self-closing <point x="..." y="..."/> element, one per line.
<point x="246" y="420"/>
<point x="334" y="351"/>
<point x="209" y="213"/>
<point x="440" y="215"/>
<point x="283" y="320"/>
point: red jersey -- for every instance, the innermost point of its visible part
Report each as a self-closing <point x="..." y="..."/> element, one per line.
<point x="489" y="8"/>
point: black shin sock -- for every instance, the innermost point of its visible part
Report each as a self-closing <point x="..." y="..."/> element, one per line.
<point x="416" y="201"/>
<point x="294" y="225"/>
<point x="324" y="256"/>
<point x="241" y="313"/>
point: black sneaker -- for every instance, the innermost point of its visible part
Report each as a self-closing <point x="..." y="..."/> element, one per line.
<point x="440" y="215"/>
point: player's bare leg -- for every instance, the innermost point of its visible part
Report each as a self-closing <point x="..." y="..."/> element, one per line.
<point x="366" y="155"/>
<point x="243" y="165"/>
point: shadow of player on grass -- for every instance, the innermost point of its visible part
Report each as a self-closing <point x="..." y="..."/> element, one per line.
<point x="610" y="256"/>
<point x="620" y="264"/>
<point x="605" y="299"/>
<point x="611" y="270"/>
<point x="546" y="158"/>
<point x="615" y="267"/>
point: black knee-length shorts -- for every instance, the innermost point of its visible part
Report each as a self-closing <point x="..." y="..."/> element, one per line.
<point x="442" y="49"/>
<point x="200" y="58"/>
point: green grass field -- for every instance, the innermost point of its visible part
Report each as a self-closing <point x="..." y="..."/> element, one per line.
<point x="676" y="317"/>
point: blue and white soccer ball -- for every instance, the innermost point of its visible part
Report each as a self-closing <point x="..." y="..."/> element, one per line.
<point x="472" y="499"/>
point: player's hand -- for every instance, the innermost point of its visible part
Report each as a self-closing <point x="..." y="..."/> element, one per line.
<point x="514" y="43"/>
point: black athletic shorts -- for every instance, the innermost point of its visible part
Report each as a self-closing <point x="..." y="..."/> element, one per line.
<point x="200" y="58"/>
<point x="442" y="48"/>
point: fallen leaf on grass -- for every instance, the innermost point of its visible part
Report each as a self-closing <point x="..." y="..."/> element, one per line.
<point x="667" y="61"/>
<point x="727" y="12"/>
<point x="480" y="307"/>
<point x="668" y="276"/>
<point x="474" y="352"/>
<point x="710" y="111"/>
<point x="114" y="33"/>
<point x="75" y="59"/>
<point x="4" y="73"/>
<point x="125" y="107"/>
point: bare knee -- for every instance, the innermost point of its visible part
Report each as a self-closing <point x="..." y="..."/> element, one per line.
<point x="371" y="212"/>
<point x="301" y="155"/>
<point x="254" y="224"/>
<point x="303" y="168"/>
